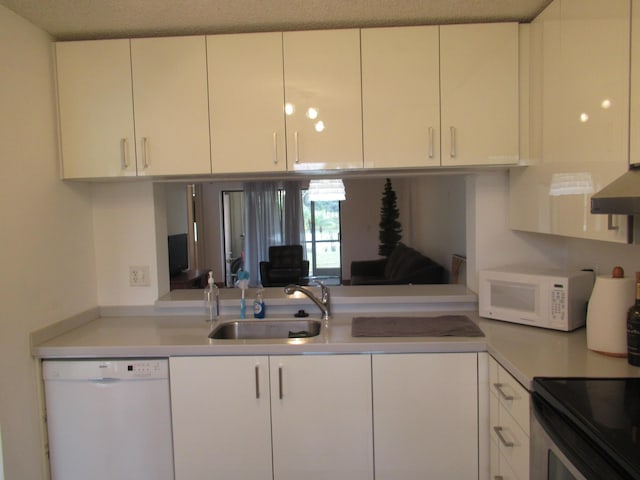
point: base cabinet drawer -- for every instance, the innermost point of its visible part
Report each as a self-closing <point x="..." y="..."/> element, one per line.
<point x="508" y="425"/>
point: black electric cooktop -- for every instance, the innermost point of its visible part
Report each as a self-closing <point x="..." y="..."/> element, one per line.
<point x="606" y="410"/>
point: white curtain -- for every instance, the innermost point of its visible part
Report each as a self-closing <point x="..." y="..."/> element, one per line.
<point x="293" y="218"/>
<point x="262" y="225"/>
<point x="267" y="224"/>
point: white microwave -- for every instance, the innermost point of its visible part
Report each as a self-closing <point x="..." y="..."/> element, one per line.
<point x="534" y="296"/>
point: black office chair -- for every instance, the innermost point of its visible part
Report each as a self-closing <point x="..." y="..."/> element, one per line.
<point x="286" y="265"/>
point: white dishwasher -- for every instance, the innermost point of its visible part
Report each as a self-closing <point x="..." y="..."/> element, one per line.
<point x="108" y="419"/>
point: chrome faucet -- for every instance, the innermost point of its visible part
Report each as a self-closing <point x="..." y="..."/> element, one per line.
<point x="324" y="303"/>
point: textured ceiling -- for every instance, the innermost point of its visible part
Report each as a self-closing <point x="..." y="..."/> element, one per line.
<point x="90" y="19"/>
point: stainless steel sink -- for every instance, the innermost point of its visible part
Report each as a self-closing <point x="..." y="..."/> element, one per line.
<point x="266" y="329"/>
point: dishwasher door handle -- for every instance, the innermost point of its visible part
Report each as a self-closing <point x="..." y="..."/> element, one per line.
<point x="105" y="380"/>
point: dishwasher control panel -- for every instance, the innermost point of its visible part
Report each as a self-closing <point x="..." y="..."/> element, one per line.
<point x="115" y="369"/>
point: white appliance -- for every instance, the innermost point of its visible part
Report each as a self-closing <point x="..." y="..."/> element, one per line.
<point x="546" y="298"/>
<point x="109" y="419"/>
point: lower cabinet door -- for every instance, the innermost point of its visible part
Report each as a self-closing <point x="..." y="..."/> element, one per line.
<point x="321" y="417"/>
<point x="425" y="416"/>
<point x="221" y="421"/>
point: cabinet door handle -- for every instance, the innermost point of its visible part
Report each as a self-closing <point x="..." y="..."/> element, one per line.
<point x="124" y="153"/>
<point x="452" y="153"/>
<point x="257" y="371"/>
<point x="498" y="477"/>
<point x="280" y="389"/>
<point x="503" y="440"/>
<point x="145" y="152"/>
<point x="430" y="142"/>
<point x="610" y="224"/>
<point x="503" y="394"/>
<point x="296" y="141"/>
<point x="275" y="148"/>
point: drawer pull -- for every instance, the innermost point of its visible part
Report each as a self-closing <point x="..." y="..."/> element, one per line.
<point x="257" y="371"/>
<point x="452" y="153"/>
<point x="503" y="440"/>
<point x="275" y="148"/>
<point x="503" y="394"/>
<point x="296" y="141"/>
<point x="498" y="477"/>
<point x="124" y="152"/>
<point x="430" y="142"/>
<point x="145" y="152"/>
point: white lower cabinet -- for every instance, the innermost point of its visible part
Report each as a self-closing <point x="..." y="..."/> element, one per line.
<point x="425" y="416"/>
<point x="509" y="425"/>
<point x="313" y="416"/>
<point x="321" y="417"/>
<point x="220" y="408"/>
<point x="281" y="417"/>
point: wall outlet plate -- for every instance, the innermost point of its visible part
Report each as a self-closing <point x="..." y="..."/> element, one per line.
<point x="139" y="276"/>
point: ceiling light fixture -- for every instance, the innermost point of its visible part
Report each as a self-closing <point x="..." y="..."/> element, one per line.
<point x="325" y="190"/>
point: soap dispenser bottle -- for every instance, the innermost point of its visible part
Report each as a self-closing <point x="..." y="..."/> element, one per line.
<point x="258" y="305"/>
<point x="212" y="299"/>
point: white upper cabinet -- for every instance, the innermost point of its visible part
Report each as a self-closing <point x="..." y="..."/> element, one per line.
<point x="246" y="103"/>
<point x="95" y="109"/>
<point x="323" y="99"/>
<point x="479" y="94"/>
<point x="579" y="119"/>
<point x="171" y="105"/>
<point x="401" y="97"/>
<point x="634" y="127"/>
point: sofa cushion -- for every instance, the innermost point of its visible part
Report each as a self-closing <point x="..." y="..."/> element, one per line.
<point x="394" y="259"/>
<point x="403" y="262"/>
<point x="285" y="256"/>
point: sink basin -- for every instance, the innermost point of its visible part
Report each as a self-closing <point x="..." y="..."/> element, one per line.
<point x="266" y="329"/>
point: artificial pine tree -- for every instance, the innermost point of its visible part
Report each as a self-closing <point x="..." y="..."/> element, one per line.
<point x="390" y="228"/>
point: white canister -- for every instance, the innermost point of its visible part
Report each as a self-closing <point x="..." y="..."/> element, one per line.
<point x="607" y="314"/>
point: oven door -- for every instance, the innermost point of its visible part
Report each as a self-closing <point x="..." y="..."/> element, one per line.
<point x="547" y="460"/>
<point x="560" y="450"/>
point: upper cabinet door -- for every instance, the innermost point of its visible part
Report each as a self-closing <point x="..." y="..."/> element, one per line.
<point x="246" y="103"/>
<point x="634" y="128"/>
<point x="580" y="111"/>
<point x="95" y="108"/>
<point x="323" y="99"/>
<point x="171" y="105"/>
<point x="401" y="97"/>
<point x="479" y="94"/>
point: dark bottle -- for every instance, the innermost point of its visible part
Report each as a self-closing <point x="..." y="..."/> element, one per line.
<point x="633" y="328"/>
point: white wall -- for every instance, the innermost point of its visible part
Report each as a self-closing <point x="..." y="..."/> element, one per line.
<point x="124" y="223"/>
<point x="437" y="217"/>
<point x="603" y="256"/>
<point x="176" y="204"/>
<point x="48" y="269"/>
<point x="490" y="242"/>
<point x="360" y="216"/>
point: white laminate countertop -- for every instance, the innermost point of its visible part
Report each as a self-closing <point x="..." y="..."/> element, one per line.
<point x="526" y="352"/>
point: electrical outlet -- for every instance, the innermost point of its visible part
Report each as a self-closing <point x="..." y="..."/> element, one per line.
<point x="139" y="276"/>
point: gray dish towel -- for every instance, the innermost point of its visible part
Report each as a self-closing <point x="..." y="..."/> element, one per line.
<point x="441" y="326"/>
